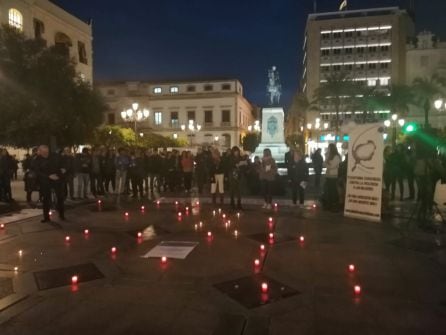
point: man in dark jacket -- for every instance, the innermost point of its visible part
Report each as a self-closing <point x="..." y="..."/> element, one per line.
<point x="50" y="175"/>
<point x="67" y="163"/>
<point x="298" y="176"/>
<point x="318" y="161"/>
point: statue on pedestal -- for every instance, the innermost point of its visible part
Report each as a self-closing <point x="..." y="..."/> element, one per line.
<point x="274" y="87"/>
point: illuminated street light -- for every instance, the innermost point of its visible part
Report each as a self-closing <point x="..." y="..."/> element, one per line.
<point x="135" y="115"/>
<point x="191" y="128"/>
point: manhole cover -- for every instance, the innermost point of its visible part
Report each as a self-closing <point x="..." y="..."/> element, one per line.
<point x="264" y="238"/>
<point x="247" y="291"/>
<point x="60" y="277"/>
<point x="6" y="287"/>
<point x="417" y="245"/>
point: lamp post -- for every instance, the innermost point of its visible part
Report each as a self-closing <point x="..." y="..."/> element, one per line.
<point x="394" y="121"/>
<point x="191" y="129"/>
<point x="135" y="115"/>
<point x="440" y="105"/>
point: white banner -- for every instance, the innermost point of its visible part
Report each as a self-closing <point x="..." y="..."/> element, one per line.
<point x="365" y="172"/>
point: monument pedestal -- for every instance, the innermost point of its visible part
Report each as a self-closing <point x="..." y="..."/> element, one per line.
<point x="273" y="137"/>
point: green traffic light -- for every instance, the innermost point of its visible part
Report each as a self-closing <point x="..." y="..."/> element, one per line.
<point x="410" y="128"/>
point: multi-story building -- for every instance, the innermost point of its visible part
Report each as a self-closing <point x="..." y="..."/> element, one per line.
<point x="368" y="45"/>
<point x="426" y="56"/>
<point x="216" y="107"/>
<point x="44" y="20"/>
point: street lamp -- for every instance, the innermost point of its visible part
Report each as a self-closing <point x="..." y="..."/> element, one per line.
<point x="394" y="122"/>
<point x="191" y="129"/>
<point x="440" y="105"/>
<point x="135" y="115"/>
<point x="254" y="127"/>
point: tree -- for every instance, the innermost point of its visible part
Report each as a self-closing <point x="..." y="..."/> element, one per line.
<point x="296" y="114"/>
<point x="398" y="100"/>
<point x="251" y="141"/>
<point x="41" y="96"/>
<point x="337" y="92"/>
<point x="425" y="91"/>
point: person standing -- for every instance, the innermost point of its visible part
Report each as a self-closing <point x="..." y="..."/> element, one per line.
<point x="318" y="162"/>
<point x="83" y="173"/>
<point x="122" y="164"/>
<point x="235" y="166"/>
<point x="332" y="161"/>
<point x="267" y="175"/>
<point x="109" y="170"/>
<point x="217" y="173"/>
<point x="67" y="163"/>
<point x="298" y="176"/>
<point x="50" y="174"/>
<point x="187" y="166"/>
<point x="136" y="173"/>
<point x="201" y="169"/>
<point x="30" y="177"/>
<point x="96" y="176"/>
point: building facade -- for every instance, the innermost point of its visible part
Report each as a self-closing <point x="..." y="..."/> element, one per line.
<point x="368" y="45"/>
<point x="44" y="20"/>
<point x="426" y="56"/>
<point x="216" y="109"/>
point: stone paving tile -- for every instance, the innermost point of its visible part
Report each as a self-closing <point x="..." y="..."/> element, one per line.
<point x="403" y="290"/>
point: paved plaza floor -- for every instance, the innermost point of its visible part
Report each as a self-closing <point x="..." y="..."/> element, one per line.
<point x="217" y="287"/>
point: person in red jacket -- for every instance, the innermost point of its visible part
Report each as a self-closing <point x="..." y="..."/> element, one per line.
<point x="187" y="165"/>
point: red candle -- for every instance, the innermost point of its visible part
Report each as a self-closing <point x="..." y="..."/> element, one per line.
<point x="164" y="259"/>
<point x="2" y="226"/>
<point x="99" y="201"/>
<point x="271" y="235"/>
<point x="157" y="202"/>
<point x="113" y="250"/>
<point x="351" y="268"/>
<point x="302" y="239"/>
<point x="126" y="213"/>
<point x="74" y="280"/>
<point x="262" y="247"/>
<point x="139" y="234"/>
<point x="179" y="214"/>
<point x="314" y="206"/>
<point x="142" y="208"/>
<point x="67" y="238"/>
<point x="357" y="289"/>
<point x="264" y="287"/>
<point x="256" y="262"/>
<point x="270" y="219"/>
<point x="275" y="204"/>
<point x="209" y="234"/>
<point x="86" y="232"/>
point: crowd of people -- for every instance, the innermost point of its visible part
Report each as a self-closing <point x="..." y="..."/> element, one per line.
<point x="140" y="173"/>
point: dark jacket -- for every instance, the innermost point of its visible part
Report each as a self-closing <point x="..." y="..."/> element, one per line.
<point x="44" y="167"/>
<point x="298" y="171"/>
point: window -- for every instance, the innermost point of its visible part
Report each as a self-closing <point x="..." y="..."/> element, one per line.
<point x="158" y="118"/>
<point x="348" y="51"/>
<point x="208" y="117"/>
<point x="384" y="48"/>
<point x="226" y="87"/>
<point x="337" y="51"/>
<point x="157" y="90"/>
<point x="349" y="67"/>
<point x="349" y="34"/>
<point x="174" y="89"/>
<point x="360" y="66"/>
<point x="372" y="66"/>
<point x="325" y="52"/>
<point x="208" y="87"/>
<point x="336" y="67"/>
<point x="371" y="82"/>
<point x="337" y="35"/>
<point x="15" y="19"/>
<point x="190" y="116"/>
<point x="226" y="116"/>
<point x="360" y="50"/>
<point x="326" y="36"/>
<point x="384" y="81"/>
<point x="191" y="88"/>
<point x="39" y="29"/>
<point x="111" y="118"/>
<point x="174" y="119"/>
<point x="82" y="52"/>
<point x="325" y="68"/>
<point x="111" y="91"/>
<point x="384" y="65"/>
<point x="372" y="49"/>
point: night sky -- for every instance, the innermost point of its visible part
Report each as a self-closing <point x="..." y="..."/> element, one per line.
<point x="180" y="39"/>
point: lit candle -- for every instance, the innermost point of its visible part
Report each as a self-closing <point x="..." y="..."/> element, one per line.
<point x="271" y="235"/>
<point x="158" y="202"/>
<point x="238" y="215"/>
<point x="236" y="233"/>
<point x="209" y="234"/>
<point x="275" y="205"/>
<point x="139" y="234"/>
<point x="74" y="280"/>
<point x="179" y="214"/>
<point x="213" y="213"/>
<point x="126" y="213"/>
<point x="223" y="216"/>
<point x="99" y="201"/>
<point x="20" y="252"/>
<point x="314" y="205"/>
<point x="196" y="226"/>
<point x="176" y="202"/>
<point x="302" y="238"/>
<point x="357" y="289"/>
<point x="2" y="226"/>
<point x="256" y="262"/>
<point x="187" y="208"/>
<point x="219" y="210"/>
<point x="262" y="247"/>
<point x="113" y="250"/>
<point x="201" y="224"/>
<point x="164" y="259"/>
<point x="86" y="232"/>
<point x="67" y="238"/>
<point x="264" y="287"/>
<point x="351" y="268"/>
<point x="270" y="219"/>
<point x="197" y="203"/>
<point x="16" y="269"/>
<point x="142" y="208"/>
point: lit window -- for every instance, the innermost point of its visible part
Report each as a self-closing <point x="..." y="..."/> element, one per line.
<point x="158" y="118"/>
<point x="157" y="90"/>
<point x="384" y="81"/>
<point x="174" y="89"/>
<point x="15" y="19"/>
<point x="371" y="82"/>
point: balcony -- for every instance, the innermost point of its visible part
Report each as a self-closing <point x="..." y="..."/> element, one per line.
<point x="225" y="124"/>
<point x="208" y="124"/>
